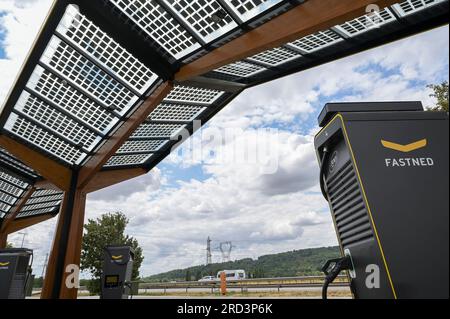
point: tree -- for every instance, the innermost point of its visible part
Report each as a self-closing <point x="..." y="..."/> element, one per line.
<point x="107" y="230"/>
<point x="440" y="93"/>
<point x="9" y="245"/>
<point x="188" y="275"/>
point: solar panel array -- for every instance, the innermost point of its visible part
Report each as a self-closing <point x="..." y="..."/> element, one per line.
<point x="183" y="105"/>
<point x="16" y="178"/>
<point x="86" y="83"/>
<point x="412" y="6"/>
<point x="184" y="27"/>
<point x="7" y="160"/>
<point x="312" y="45"/>
<point x="42" y="202"/>
<point x="11" y="189"/>
<point x="82" y="87"/>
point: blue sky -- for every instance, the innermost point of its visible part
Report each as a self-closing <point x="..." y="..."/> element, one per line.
<point x="180" y="203"/>
<point x="2" y="37"/>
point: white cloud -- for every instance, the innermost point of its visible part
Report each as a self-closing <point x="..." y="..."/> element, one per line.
<point x="21" y="19"/>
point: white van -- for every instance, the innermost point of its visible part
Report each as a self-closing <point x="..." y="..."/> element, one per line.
<point x="233" y="274"/>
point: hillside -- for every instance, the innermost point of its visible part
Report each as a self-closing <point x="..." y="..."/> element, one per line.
<point x="289" y="264"/>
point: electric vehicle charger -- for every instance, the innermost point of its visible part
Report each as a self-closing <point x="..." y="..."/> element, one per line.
<point x="15" y="272"/>
<point x="117" y="272"/>
<point x="384" y="172"/>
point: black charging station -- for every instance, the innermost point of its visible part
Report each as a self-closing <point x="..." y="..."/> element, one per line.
<point x="15" y="272"/>
<point x="385" y="173"/>
<point x="117" y="272"/>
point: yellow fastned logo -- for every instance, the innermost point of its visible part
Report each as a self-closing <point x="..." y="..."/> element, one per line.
<point x="4" y="264"/>
<point x="405" y="148"/>
<point x="408" y="148"/>
<point x="117" y="257"/>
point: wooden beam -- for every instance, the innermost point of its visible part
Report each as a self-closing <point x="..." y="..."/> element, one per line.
<point x="305" y="19"/>
<point x="73" y="251"/>
<point x="23" y="223"/>
<point x="50" y="273"/>
<point x="3" y="240"/>
<point x="105" y="179"/>
<point x="110" y="147"/>
<point x="58" y="174"/>
<point x="15" y="210"/>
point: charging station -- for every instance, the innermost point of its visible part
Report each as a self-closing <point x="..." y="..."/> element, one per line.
<point x="117" y="272"/>
<point x="15" y="272"/>
<point x="385" y="173"/>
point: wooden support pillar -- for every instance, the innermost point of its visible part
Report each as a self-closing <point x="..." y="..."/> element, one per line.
<point x="3" y="240"/>
<point x="66" y="249"/>
<point x="49" y="279"/>
<point x="73" y="250"/>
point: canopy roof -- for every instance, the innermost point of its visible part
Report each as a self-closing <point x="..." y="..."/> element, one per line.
<point x="109" y="84"/>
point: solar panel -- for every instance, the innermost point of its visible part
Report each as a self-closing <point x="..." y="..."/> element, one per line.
<point x="366" y="23"/>
<point x="42" y="201"/>
<point x="207" y="18"/>
<point x="176" y="112"/>
<point x="157" y="130"/>
<point x="45" y="192"/>
<point x="9" y="159"/>
<point x="42" y="211"/>
<point x="128" y="160"/>
<point x="7" y="199"/>
<point x="159" y="25"/>
<point x="241" y="69"/>
<point x="194" y="95"/>
<point x="37" y="200"/>
<point x="248" y="9"/>
<point x="13" y="180"/>
<point x="275" y="57"/>
<point x="85" y="35"/>
<point x="316" y="41"/>
<point x="43" y="139"/>
<point x="70" y="100"/>
<point x="29" y="207"/>
<point x="10" y="189"/>
<point x="131" y="147"/>
<point x="55" y="121"/>
<point x="4" y="208"/>
<point x="82" y="73"/>
<point x="408" y="7"/>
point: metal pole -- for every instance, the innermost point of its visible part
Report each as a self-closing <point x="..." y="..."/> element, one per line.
<point x="45" y="266"/>
<point x="23" y="238"/>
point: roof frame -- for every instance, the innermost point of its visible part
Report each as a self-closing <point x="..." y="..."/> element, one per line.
<point x="58" y="174"/>
<point x="109" y="148"/>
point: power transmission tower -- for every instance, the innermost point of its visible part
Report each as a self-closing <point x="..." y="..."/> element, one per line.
<point x="208" y="251"/>
<point x="226" y="248"/>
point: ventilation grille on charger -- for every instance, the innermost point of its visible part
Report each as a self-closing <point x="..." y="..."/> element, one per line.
<point x="350" y="213"/>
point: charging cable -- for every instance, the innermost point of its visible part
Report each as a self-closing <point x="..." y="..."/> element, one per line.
<point x="332" y="269"/>
<point x="323" y="187"/>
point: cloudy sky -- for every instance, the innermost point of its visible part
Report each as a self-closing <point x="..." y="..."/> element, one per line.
<point x="262" y="210"/>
